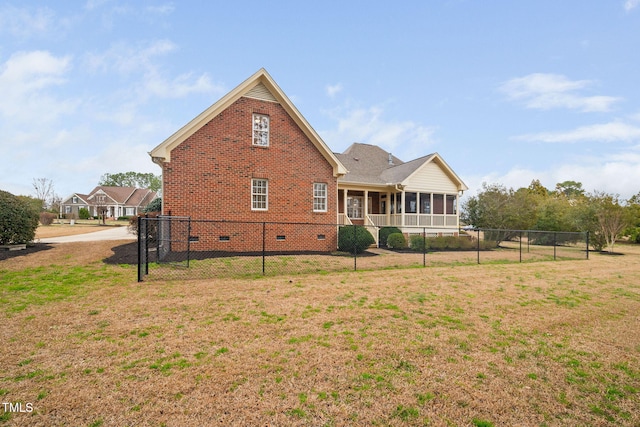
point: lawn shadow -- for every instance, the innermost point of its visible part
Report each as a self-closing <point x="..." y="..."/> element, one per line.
<point x="30" y="249"/>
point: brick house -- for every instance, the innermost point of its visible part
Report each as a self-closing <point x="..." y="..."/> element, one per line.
<point x="252" y="157"/>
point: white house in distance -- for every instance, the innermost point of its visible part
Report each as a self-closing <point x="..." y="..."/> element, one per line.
<point x="381" y="190"/>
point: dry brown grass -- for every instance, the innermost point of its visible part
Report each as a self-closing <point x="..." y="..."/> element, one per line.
<point x="57" y="230"/>
<point x="549" y="343"/>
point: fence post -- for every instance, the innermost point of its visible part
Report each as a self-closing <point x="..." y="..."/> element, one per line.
<point x="587" y="245"/>
<point x="424" y="246"/>
<point x="520" y="246"/>
<point x="188" y="241"/>
<point x="478" y="244"/>
<point x="146" y="242"/>
<point x="264" y="239"/>
<point x="139" y="249"/>
<point x="355" y="249"/>
<point x="555" y="239"/>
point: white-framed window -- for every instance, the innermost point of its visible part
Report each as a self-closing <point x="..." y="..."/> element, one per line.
<point x="319" y="197"/>
<point x="261" y="130"/>
<point x="67" y="209"/>
<point x="355" y="207"/>
<point x="74" y="200"/>
<point x="259" y="194"/>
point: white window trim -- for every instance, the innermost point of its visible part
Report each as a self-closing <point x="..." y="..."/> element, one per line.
<point x="254" y="194"/>
<point x="319" y="195"/>
<point x="258" y="125"/>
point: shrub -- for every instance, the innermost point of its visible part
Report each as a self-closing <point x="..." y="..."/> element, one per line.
<point x="385" y="232"/>
<point x="152" y="226"/>
<point x="18" y="220"/>
<point x="154" y="206"/>
<point x="396" y="241"/>
<point x="83" y="213"/>
<point x="46" y="218"/>
<point x="457" y="243"/>
<point x="354" y="239"/>
<point x="417" y="243"/>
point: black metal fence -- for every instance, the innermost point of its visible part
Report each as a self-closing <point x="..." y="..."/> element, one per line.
<point x="172" y="247"/>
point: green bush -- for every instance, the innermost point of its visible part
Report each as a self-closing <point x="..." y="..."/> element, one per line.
<point x="385" y="232"/>
<point x="354" y="241"/>
<point x="83" y="213"/>
<point x="154" y="206"/>
<point x="455" y="243"/>
<point x="18" y="220"/>
<point x="396" y="241"/>
<point x="417" y="243"/>
<point x="46" y="218"/>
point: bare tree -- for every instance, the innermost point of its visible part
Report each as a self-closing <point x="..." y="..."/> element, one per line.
<point x="44" y="190"/>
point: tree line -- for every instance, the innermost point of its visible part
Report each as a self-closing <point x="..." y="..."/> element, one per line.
<point x="568" y="207"/>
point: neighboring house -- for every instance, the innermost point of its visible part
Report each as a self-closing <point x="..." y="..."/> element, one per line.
<point x="382" y="190"/>
<point x="114" y="201"/>
<point x="252" y="157"/>
<point x="70" y="207"/>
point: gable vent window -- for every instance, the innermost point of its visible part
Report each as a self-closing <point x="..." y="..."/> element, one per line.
<point x="261" y="130"/>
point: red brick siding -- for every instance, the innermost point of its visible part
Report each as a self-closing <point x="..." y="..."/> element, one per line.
<point x="210" y="173"/>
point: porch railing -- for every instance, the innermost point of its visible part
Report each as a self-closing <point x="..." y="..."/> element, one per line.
<point x="414" y="220"/>
<point x="343" y="219"/>
<point x="373" y="228"/>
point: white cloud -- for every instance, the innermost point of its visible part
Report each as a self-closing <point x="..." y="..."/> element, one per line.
<point x="616" y="173"/>
<point x="163" y="9"/>
<point x="606" y="132"/>
<point x="631" y="4"/>
<point x="333" y="90"/>
<point x="548" y="91"/>
<point x="23" y="22"/>
<point x="126" y="59"/>
<point x="25" y="79"/>
<point x="405" y="139"/>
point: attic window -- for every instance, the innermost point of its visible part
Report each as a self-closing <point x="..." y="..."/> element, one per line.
<point x="261" y="130"/>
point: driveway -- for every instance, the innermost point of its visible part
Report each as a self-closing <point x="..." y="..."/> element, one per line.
<point x="112" y="233"/>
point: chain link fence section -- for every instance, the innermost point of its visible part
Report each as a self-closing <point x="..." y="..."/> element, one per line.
<point x="530" y="245"/>
<point x="179" y="248"/>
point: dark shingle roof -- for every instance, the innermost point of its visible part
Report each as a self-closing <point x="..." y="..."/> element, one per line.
<point x="369" y="164"/>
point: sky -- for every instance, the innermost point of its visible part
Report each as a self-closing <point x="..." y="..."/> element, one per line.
<point x="505" y="91"/>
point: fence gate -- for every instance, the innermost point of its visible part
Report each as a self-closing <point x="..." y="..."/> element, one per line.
<point x="173" y="240"/>
<point x="164" y="240"/>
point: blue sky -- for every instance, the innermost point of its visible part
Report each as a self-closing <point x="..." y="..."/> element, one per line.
<point x="506" y="91"/>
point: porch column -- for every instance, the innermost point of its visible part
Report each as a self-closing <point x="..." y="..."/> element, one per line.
<point x="458" y="210"/>
<point x="403" y="207"/>
<point x="366" y="206"/>
<point x="388" y="208"/>
<point x="418" y="207"/>
<point x="431" y="208"/>
<point x="344" y="204"/>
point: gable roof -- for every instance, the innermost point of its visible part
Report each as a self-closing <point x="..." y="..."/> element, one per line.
<point x="69" y="200"/>
<point x="260" y="85"/>
<point x="128" y="196"/>
<point x="370" y="164"/>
